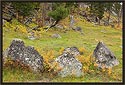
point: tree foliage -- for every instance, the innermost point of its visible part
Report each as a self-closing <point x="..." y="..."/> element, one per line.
<point x="108" y="6"/>
<point x="108" y="9"/>
<point x="97" y="9"/>
<point x="59" y="13"/>
<point x="24" y="8"/>
<point x="117" y="8"/>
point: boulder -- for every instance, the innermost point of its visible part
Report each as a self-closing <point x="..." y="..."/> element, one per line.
<point x="56" y="36"/>
<point x="69" y="64"/>
<point x="104" y="57"/>
<point x="17" y="51"/>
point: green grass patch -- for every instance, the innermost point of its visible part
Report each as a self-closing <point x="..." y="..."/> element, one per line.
<point x="92" y="35"/>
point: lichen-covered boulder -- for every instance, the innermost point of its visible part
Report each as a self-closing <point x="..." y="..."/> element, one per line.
<point x="69" y="64"/>
<point x="104" y="57"/>
<point x="26" y="55"/>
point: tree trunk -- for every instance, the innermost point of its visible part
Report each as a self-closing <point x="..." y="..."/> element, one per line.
<point x="99" y="21"/>
<point x="43" y="13"/>
<point x="109" y="18"/>
<point x="119" y="17"/>
<point x="17" y="15"/>
<point x="56" y="22"/>
<point x="118" y="22"/>
<point x="40" y="15"/>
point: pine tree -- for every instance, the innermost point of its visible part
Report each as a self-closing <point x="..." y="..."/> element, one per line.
<point x="97" y="9"/>
<point x="24" y="8"/>
<point x="59" y="12"/>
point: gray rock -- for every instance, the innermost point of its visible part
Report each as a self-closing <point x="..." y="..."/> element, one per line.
<point x="3" y="22"/>
<point x="104" y="56"/>
<point x="68" y="62"/>
<point x="103" y="31"/>
<point x="105" y="22"/>
<point x="56" y="36"/>
<point x="77" y="29"/>
<point x="70" y="65"/>
<point x="26" y="55"/>
<point x="72" y="22"/>
<point x="72" y="50"/>
<point x="31" y="37"/>
<point x="59" y="26"/>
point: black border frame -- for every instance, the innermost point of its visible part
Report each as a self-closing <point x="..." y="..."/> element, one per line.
<point x="123" y="41"/>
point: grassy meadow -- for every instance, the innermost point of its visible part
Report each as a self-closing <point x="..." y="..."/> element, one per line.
<point x="92" y="35"/>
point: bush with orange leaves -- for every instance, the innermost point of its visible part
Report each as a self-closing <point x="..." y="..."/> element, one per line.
<point x="22" y="29"/>
<point x="9" y="63"/>
<point x="61" y="50"/>
<point x="82" y="50"/>
<point x="89" y="64"/>
<point x="49" y="62"/>
<point x="87" y="61"/>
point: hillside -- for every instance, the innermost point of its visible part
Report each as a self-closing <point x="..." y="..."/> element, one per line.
<point x="45" y="43"/>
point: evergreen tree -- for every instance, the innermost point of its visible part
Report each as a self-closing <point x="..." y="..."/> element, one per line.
<point x="24" y="8"/>
<point x="59" y="12"/>
<point x="97" y="9"/>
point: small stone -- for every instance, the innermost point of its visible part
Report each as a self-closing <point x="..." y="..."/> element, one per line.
<point x="77" y="29"/>
<point x="56" y="36"/>
<point x="31" y="37"/>
<point x="103" y="31"/>
<point x="59" y="26"/>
